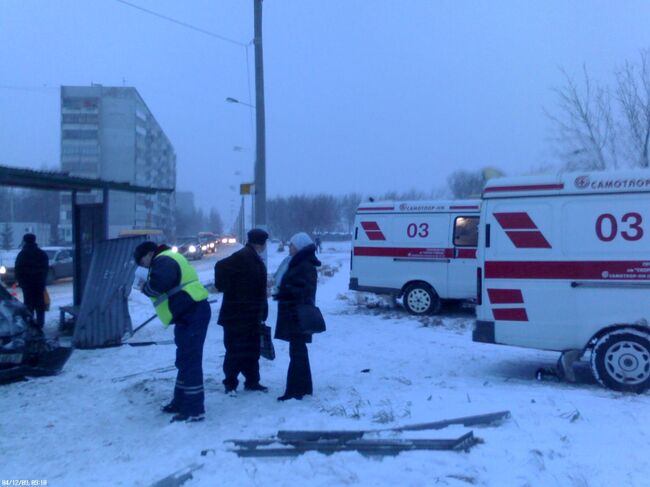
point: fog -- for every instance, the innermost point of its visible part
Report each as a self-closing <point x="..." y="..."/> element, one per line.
<point x="367" y="96"/>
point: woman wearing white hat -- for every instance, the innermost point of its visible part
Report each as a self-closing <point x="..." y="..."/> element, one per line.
<point x="297" y="283"/>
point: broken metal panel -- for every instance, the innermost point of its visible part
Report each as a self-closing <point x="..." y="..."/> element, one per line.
<point x="478" y="420"/>
<point x="253" y="448"/>
<point x="104" y="313"/>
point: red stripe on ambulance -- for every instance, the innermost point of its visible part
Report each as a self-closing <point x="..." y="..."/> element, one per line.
<point x="466" y="254"/>
<point x="515" y="221"/>
<point x="529" y="240"/>
<point x="510" y="314"/>
<point x="593" y="270"/>
<point x="530" y="187"/>
<point x="422" y="253"/>
<point x="373" y="231"/>
<point x="522" y="231"/>
<point x="505" y="296"/>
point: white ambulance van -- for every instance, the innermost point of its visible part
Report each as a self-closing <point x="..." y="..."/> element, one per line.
<point x="423" y="251"/>
<point x="564" y="264"/>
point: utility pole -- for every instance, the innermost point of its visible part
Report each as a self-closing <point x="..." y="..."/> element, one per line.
<point x="259" y="215"/>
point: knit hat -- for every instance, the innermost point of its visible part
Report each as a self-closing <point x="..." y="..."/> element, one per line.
<point x="143" y="249"/>
<point x="301" y="240"/>
<point x="29" y="238"/>
<point x="257" y="236"/>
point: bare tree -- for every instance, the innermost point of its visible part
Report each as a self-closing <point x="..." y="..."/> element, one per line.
<point x="348" y="205"/>
<point x="633" y="95"/>
<point x="586" y="135"/>
<point x="215" y="223"/>
<point x="465" y="184"/>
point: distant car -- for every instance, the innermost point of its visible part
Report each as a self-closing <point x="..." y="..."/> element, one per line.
<point x="61" y="264"/>
<point x="7" y="262"/>
<point x="228" y="240"/>
<point x="208" y="242"/>
<point x="188" y="247"/>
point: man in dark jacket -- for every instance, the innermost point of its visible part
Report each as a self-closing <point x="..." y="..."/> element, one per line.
<point x="179" y="298"/>
<point x="32" y="267"/>
<point x="242" y="279"/>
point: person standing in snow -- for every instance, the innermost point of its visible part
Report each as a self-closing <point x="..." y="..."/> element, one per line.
<point x="242" y="279"/>
<point x="296" y="283"/>
<point x="32" y="267"/>
<point x="317" y="242"/>
<point x="179" y="299"/>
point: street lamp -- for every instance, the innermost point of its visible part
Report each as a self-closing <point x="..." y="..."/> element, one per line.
<point x="235" y="100"/>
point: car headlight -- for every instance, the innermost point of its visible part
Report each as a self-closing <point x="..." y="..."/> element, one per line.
<point x="212" y="245"/>
<point x="3" y="269"/>
<point x="224" y="240"/>
<point x="204" y="248"/>
<point x="232" y="240"/>
<point x="174" y="249"/>
<point x="192" y="248"/>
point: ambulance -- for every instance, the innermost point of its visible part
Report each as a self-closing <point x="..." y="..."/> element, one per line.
<point x="564" y="265"/>
<point x="421" y="251"/>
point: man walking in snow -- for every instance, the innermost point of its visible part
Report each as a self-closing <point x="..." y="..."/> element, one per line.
<point x="179" y="298"/>
<point x="242" y="279"/>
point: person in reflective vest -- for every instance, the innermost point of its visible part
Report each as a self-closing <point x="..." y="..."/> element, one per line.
<point x="179" y="299"/>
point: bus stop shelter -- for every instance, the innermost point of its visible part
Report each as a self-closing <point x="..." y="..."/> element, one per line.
<point x="89" y="221"/>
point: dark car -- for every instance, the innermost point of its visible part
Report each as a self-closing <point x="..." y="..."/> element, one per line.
<point x="189" y="247"/>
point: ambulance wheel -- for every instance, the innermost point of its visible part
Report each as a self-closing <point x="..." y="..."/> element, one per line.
<point x="620" y="360"/>
<point x="420" y="299"/>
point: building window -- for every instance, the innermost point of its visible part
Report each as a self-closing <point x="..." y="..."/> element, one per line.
<point x="79" y="134"/>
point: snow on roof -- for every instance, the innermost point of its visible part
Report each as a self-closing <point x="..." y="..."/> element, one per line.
<point x="419" y="206"/>
<point x="570" y="183"/>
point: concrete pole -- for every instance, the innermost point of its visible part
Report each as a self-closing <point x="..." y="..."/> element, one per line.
<point x="259" y="216"/>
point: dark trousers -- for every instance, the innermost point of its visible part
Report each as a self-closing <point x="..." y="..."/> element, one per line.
<point x="242" y="356"/>
<point x="35" y="302"/>
<point x="299" y="373"/>
<point x="189" y="335"/>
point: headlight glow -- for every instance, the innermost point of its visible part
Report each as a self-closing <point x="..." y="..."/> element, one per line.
<point x="224" y="240"/>
<point x="174" y="249"/>
<point x="211" y="245"/>
<point x="204" y="248"/>
<point x="192" y="248"/>
<point x="232" y="240"/>
<point x="3" y="269"/>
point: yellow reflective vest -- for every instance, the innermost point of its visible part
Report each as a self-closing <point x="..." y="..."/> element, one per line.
<point x="190" y="284"/>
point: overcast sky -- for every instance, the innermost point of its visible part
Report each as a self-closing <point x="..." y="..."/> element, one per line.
<point x="362" y="95"/>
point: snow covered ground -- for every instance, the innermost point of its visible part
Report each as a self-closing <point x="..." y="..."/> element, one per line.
<point x="98" y="423"/>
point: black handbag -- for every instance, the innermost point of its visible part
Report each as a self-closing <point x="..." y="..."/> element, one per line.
<point x="310" y="319"/>
<point x="266" y="343"/>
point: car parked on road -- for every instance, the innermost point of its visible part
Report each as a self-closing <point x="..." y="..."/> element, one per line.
<point x="61" y="264"/>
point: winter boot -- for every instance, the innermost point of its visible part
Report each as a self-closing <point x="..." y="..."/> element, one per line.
<point x="187" y="418"/>
<point x="256" y="387"/>
<point x="170" y="408"/>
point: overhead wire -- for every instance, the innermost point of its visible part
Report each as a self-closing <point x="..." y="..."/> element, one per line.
<point x="205" y="32"/>
<point x="183" y="24"/>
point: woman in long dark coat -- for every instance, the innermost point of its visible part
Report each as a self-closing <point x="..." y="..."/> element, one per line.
<point x="297" y="285"/>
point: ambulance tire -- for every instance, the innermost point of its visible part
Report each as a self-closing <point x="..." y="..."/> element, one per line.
<point x="420" y="299"/>
<point x="620" y="360"/>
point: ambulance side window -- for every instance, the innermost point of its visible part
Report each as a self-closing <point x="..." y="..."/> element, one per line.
<point x="466" y="231"/>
